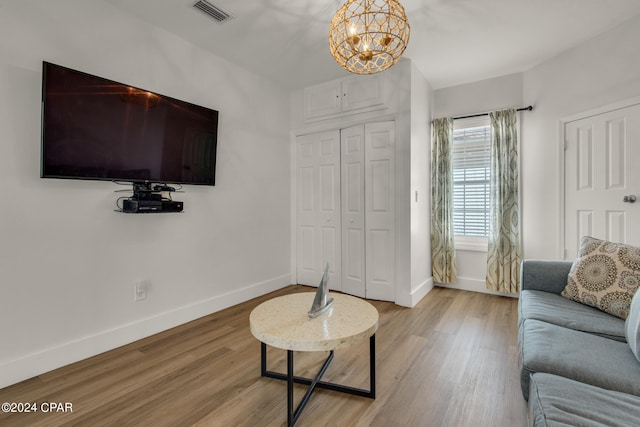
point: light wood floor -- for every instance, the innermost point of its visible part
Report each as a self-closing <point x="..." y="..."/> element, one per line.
<point x="450" y="361"/>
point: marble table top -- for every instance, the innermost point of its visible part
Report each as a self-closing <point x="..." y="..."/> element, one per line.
<point x="283" y="322"/>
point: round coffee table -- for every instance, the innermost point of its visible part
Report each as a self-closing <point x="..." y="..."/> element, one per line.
<point x="283" y="322"/>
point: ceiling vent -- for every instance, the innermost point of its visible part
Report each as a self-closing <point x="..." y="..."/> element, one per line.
<point x="213" y="11"/>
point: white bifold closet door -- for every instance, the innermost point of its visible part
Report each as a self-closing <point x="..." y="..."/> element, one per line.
<point x="360" y="185"/>
<point x="318" y="208"/>
<point x="380" y="210"/>
<point x="353" y="210"/>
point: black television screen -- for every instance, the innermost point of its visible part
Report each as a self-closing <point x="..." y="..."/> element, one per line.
<point x="94" y="128"/>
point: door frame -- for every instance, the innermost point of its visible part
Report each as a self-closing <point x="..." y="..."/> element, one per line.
<point x="619" y="105"/>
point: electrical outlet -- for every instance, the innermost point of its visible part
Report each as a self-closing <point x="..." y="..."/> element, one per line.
<point x="140" y="290"/>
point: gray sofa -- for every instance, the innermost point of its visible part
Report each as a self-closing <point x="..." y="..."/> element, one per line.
<point x="576" y="367"/>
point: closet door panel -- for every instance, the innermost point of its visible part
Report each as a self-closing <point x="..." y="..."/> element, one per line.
<point x="380" y="257"/>
<point x="353" y="251"/>
<point x="306" y="218"/>
<point x="353" y="232"/>
<point x="307" y="261"/>
<point x="318" y="208"/>
<point x="305" y="181"/>
<point x="380" y="177"/>
<point x="329" y="208"/>
<point x="380" y="210"/>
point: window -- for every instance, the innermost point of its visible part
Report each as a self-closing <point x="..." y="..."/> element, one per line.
<point x="471" y="163"/>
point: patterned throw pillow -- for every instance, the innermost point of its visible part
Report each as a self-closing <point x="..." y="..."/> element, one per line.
<point x="605" y="276"/>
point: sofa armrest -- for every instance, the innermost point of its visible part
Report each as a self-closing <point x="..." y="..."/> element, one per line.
<point x="548" y="276"/>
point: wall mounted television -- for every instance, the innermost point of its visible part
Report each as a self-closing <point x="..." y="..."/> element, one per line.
<point x="99" y="129"/>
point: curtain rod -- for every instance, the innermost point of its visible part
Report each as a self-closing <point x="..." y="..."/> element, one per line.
<point x="529" y="108"/>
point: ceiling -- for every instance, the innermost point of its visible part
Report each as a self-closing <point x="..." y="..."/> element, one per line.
<point x="452" y="41"/>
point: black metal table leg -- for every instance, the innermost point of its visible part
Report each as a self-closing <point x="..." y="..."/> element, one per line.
<point x="372" y="366"/>
<point x="293" y="415"/>
<point x="290" y="415"/>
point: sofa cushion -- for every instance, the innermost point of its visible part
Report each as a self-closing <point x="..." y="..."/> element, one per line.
<point x="632" y="326"/>
<point x="552" y="308"/>
<point x="544" y="275"/>
<point x="558" y="401"/>
<point x="605" y="275"/>
<point x="576" y="355"/>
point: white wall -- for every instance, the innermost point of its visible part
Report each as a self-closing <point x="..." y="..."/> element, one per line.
<point x="599" y="72"/>
<point x="479" y="97"/>
<point x="68" y="262"/>
<point x="420" y="194"/>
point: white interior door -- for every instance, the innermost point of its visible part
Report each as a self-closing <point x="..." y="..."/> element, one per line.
<point x="602" y="176"/>
<point x="380" y="210"/>
<point x="353" y="215"/>
<point x="318" y="231"/>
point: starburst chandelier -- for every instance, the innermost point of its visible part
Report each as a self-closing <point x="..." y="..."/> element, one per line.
<point x="368" y="36"/>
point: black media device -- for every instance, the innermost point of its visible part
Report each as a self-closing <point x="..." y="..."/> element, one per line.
<point x="99" y="129"/>
<point x="149" y="206"/>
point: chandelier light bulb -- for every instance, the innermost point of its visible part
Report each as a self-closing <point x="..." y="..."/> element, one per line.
<point x="368" y="36"/>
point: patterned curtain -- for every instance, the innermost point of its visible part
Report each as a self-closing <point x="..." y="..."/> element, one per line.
<point x="503" y="257"/>
<point x="443" y="263"/>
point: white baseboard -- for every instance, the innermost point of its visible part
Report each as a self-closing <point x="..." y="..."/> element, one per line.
<point x="52" y="358"/>
<point x="474" y="285"/>
<point x="413" y="298"/>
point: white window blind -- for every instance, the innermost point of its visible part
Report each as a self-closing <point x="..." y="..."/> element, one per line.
<point x="471" y="167"/>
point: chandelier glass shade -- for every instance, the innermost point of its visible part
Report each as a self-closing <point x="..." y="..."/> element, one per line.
<point x="368" y="36"/>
